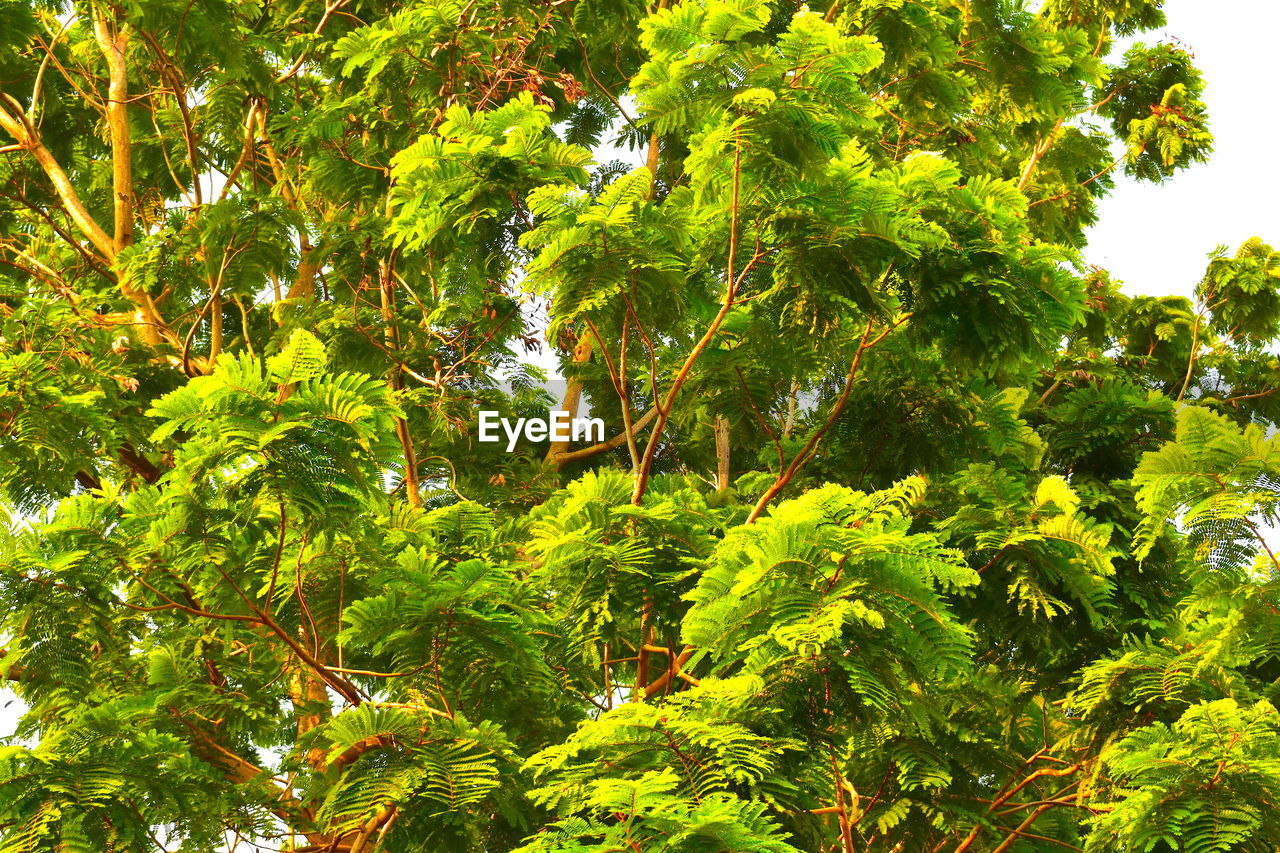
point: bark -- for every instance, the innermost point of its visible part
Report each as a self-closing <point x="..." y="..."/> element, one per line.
<point x="310" y="699"/>
<point x="14" y="121"/>
<point x="722" y="454"/>
<point x="596" y="449"/>
<point x="387" y="284"/>
<point x="113" y="41"/>
<point x="239" y="771"/>
<point x="304" y="284"/>
<point x="572" y="401"/>
<point x="1042" y="148"/>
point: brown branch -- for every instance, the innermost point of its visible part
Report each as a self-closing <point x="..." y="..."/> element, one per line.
<point x="303" y="285"/>
<point x="676" y="668"/>
<point x="1086" y="183"/>
<point x="1018" y="833"/>
<point x="618" y="379"/>
<point x="732" y="280"/>
<point x="329" y="9"/>
<point x="392" y="333"/>
<point x="624" y="396"/>
<point x="721" y="428"/>
<point x="763" y="421"/>
<point x="1195" y="355"/>
<point x="842" y="814"/>
<point x="1003" y="798"/>
<point x="246" y="150"/>
<point x="14" y="121"/>
<point x="1263" y="542"/>
<point x="375" y="823"/>
<point x="239" y="771"/>
<point x="342" y="686"/>
<point x="98" y="264"/>
<point x="169" y="70"/>
<point x="618" y="440"/>
<point x="37" y="89"/>
<point x="604" y="90"/>
<point x="1236" y="399"/>
<point x="806" y="452"/>
<point x="87" y="480"/>
<point x="138" y="463"/>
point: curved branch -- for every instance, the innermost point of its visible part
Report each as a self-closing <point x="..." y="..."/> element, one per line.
<point x="564" y="458"/>
<point x="14" y="121"/>
<point x="811" y="445"/>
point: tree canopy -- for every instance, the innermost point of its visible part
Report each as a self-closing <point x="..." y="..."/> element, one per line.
<point x="910" y="530"/>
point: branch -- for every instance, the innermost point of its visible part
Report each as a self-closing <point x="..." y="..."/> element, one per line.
<point x="604" y="90"/>
<point x="14" y="121"/>
<point x="721" y="427"/>
<point x="14" y="672"/>
<point x="732" y="280"/>
<point x="1042" y="148"/>
<point x="811" y="445"/>
<point x="342" y="686"/>
<point x="396" y="381"/>
<point x="571" y="400"/>
<point x="98" y="264"/>
<point x="1195" y="354"/>
<point x="240" y="771"/>
<point x="618" y="379"/>
<point x="1026" y="824"/>
<point x="38" y="86"/>
<point x="1086" y="183"/>
<point x="138" y="463"/>
<point x="169" y="69"/>
<point x="329" y="9"/>
<point x="628" y="421"/>
<point x="250" y="125"/>
<point x="562" y="459"/>
<point x="676" y="668"/>
<point x="1003" y="798"/>
<point x="1263" y="542"/>
<point x="113" y="46"/>
<point x="1238" y="398"/>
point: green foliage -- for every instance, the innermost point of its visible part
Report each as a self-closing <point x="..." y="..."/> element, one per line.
<point x="1197" y="785"/>
<point x="909" y="532"/>
<point x="325" y="443"/>
<point x="691" y="777"/>
<point x="435" y="178"/>
<point x="1218" y="482"/>
<point x="832" y="571"/>
<point x="1157" y="106"/>
<point x="1242" y="292"/>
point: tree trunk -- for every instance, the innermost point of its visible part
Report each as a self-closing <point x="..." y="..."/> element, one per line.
<point x="572" y="399"/>
<point x="722" y="454"/>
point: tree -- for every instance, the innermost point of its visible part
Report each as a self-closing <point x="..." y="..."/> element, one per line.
<point x="909" y="533"/>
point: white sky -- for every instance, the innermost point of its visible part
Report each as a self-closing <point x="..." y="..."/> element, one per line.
<point x="1156" y="238"/>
